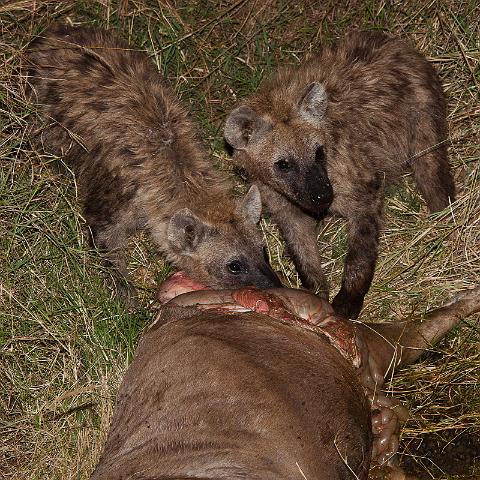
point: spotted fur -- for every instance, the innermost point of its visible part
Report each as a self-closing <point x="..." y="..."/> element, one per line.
<point x="328" y="135"/>
<point x="139" y="162"/>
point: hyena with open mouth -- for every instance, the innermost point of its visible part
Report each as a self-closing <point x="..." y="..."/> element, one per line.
<point x="139" y="163"/>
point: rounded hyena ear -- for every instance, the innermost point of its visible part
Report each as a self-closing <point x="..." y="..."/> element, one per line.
<point x="250" y="206"/>
<point x="185" y="231"/>
<point x="243" y="126"/>
<point x="314" y="102"/>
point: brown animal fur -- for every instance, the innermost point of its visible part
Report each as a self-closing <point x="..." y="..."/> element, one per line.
<point x="328" y="135"/>
<point x="139" y="162"/>
<point x="291" y="408"/>
<point x="183" y="412"/>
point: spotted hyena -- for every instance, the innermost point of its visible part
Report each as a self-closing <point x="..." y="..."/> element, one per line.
<point x="139" y="162"/>
<point x="328" y="135"/>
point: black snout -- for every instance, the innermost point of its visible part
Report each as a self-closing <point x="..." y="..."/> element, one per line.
<point x="269" y="278"/>
<point x="318" y="189"/>
<point x="307" y="186"/>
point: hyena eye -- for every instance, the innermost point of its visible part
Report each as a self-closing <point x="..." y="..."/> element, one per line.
<point x="283" y="165"/>
<point x="236" y="267"/>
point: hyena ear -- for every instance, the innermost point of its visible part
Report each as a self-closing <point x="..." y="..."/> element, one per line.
<point x="185" y="231"/>
<point x="313" y="105"/>
<point x="243" y="125"/>
<point x="250" y="206"/>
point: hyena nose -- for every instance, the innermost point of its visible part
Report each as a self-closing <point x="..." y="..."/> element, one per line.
<point x="270" y="278"/>
<point x="320" y="190"/>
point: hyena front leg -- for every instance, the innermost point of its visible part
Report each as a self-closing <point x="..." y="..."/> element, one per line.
<point x="111" y="240"/>
<point x="363" y="233"/>
<point x="300" y="234"/>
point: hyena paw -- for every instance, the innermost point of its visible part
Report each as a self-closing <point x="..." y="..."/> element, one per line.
<point x="347" y="305"/>
<point x="316" y="283"/>
<point x="127" y="293"/>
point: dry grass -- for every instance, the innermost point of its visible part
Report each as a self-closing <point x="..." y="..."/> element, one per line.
<point x="64" y="343"/>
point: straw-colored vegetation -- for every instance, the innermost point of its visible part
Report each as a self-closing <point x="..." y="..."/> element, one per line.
<point x="64" y="343"/>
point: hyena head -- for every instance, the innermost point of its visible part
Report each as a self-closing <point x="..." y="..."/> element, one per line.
<point x="286" y="151"/>
<point x="223" y="254"/>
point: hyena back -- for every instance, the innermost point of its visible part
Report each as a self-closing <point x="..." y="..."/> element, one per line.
<point x="328" y="135"/>
<point x="139" y="162"/>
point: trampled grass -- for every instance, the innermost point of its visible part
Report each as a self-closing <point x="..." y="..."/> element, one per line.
<point x="65" y="343"/>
